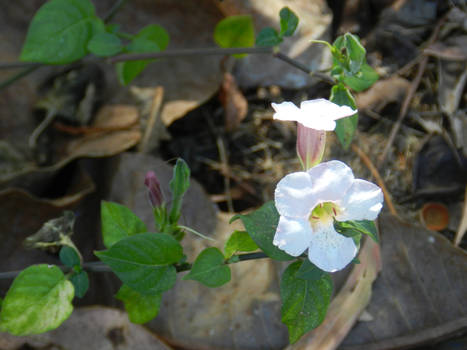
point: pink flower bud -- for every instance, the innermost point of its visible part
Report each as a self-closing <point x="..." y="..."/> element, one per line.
<point x="154" y="189"/>
<point x="310" y="145"/>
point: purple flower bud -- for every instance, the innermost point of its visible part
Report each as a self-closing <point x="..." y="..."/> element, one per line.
<point x="154" y="189"/>
<point x="310" y="145"/>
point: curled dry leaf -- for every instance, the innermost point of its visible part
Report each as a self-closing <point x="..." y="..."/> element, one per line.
<point x="154" y="130"/>
<point x="22" y="214"/>
<point x="383" y="92"/>
<point x="124" y="133"/>
<point x="116" y="130"/>
<point x="234" y="103"/>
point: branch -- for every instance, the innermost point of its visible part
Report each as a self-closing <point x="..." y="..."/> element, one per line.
<point x="98" y="266"/>
<point x="113" y="11"/>
<point x="17" y="76"/>
<point x="212" y="51"/>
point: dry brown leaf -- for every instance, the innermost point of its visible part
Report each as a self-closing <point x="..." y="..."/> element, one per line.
<point x="116" y="116"/>
<point x="234" y="103"/>
<point x="382" y="93"/>
<point x="418" y="297"/>
<point x="22" y="214"/>
<point x="154" y="130"/>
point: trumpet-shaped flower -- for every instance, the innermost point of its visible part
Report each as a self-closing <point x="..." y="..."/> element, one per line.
<point x="309" y="202"/>
<point x="314" y="118"/>
<point x="319" y="114"/>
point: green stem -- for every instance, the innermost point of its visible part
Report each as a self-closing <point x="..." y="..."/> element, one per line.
<point x="195" y="232"/>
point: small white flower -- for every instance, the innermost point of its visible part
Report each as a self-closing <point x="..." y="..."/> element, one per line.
<point x="309" y="202"/>
<point x="319" y="114"/>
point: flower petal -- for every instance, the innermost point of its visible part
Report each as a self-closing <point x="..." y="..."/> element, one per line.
<point x="329" y="250"/>
<point x="362" y="201"/>
<point x="292" y="235"/>
<point x="287" y="111"/>
<point x="322" y="108"/>
<point x="294" y="194"/>
<point x="330" y="181"/>
<point x="317" y="123"/>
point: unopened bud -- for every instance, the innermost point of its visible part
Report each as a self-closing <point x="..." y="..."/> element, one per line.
<point x="154" y="189"/>
<point x="310" y="145"/>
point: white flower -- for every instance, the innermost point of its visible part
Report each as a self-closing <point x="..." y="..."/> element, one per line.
<point x="308" y="202"/>
<point x="319" y="114"/>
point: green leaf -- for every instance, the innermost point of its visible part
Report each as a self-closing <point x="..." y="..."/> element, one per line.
<point x="351" y="228"/>
<point x="309" y="271"/>
<point x="355" y="51"/>
<point x="239" y="241"/>
<point x="142" y="261"/>
<point x="38" y="301"/>
<point x="80" y="281"/>
<point x="268" y="37"/>
<point x="141" y="308"/>
<point x="361" y="80"/>
<point x="235" y="31"/>
<point x="112" y="28"/>
<point x="304" y="302"/>
<point x="349" y="63"/>
<point x="69" y="256"/>
<point x="181" y="178"/>
<point x="261" y="225"/>
<point x="118" y="222"/>
<point x="152" y="38"/>
<point x="156" y="34"/>
<point x="105" y="44"/>
<point x="289" y="22"/>
<point x="60" y="31"/>
<point x="179" y="184"/>
<point x="209" y="268"/>
<point x="345" y="127"/>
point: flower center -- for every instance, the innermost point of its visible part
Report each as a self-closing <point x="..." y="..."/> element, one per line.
<point x="322" y="214"/>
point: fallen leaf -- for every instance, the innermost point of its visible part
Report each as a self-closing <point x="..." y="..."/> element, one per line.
<point x="418" y="297"/>
<point x="382" y="93"/>
<point x="151" y="101"/>
<point x="234" y="103"/>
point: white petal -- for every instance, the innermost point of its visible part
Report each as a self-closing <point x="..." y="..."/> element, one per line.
<point x="292" y="235"/>
<point x="329" y="250"/>
<point x="362" y="201"/>
<point x="287" y="111"/>
<point x="330" y="181"/>
<point x="317" y="123"/>
<point x="294" y="194"/>
<point x="322" y="108"/>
